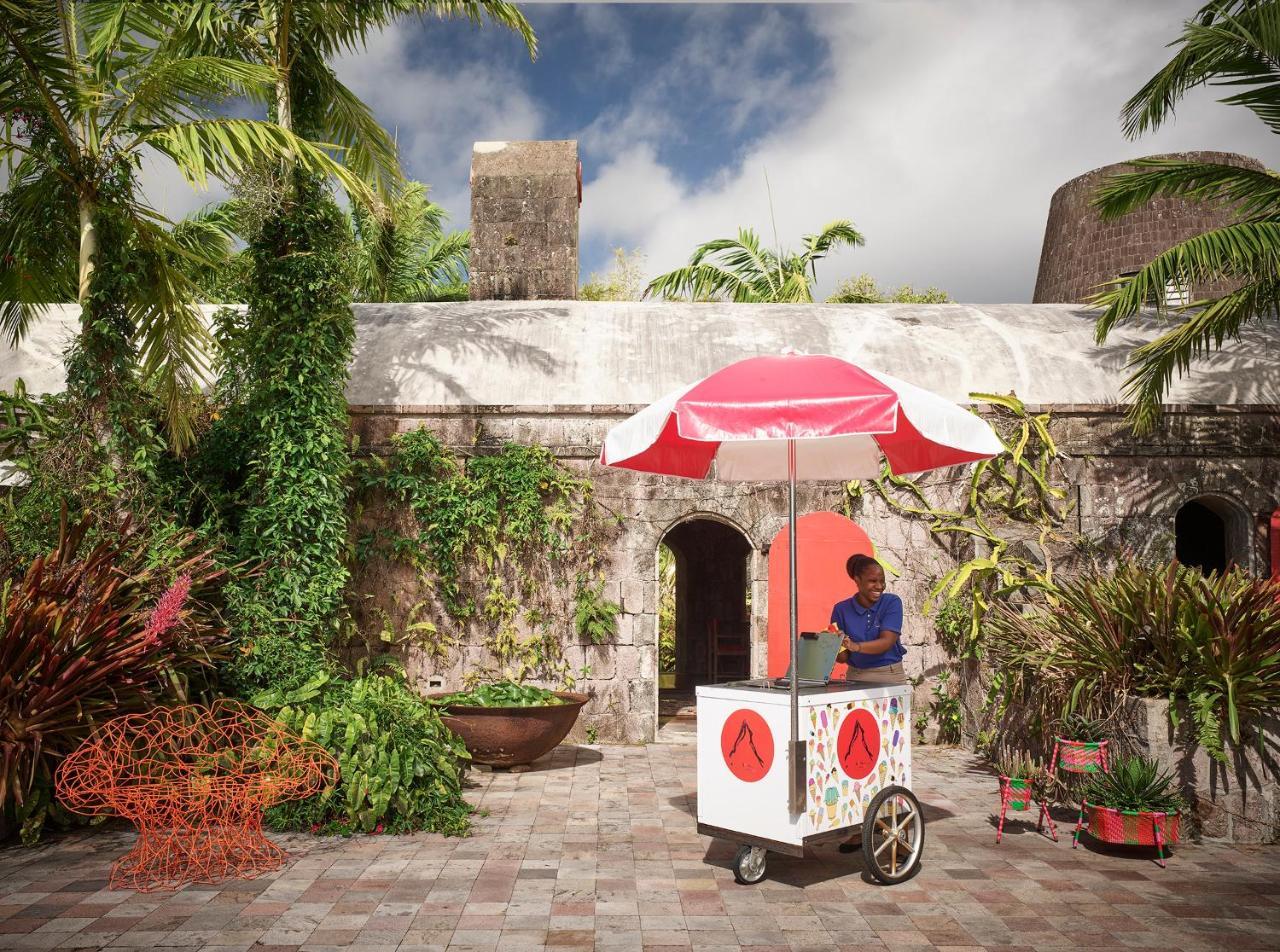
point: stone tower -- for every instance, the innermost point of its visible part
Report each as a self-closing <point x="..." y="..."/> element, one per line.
<point x="524" y="220"/>
<point x="1081" y="251"/>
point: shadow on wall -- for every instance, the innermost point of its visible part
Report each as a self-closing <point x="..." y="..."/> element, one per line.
<point x="398" y="341"/>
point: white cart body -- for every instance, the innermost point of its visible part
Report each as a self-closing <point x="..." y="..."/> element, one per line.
<point x="743" y="776"/>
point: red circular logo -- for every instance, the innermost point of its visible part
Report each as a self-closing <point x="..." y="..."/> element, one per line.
<point x="747" y="745"/>
<point x="858" y="743"/>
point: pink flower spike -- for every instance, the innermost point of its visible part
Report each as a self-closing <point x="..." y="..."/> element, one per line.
<point x="167" y="611"/>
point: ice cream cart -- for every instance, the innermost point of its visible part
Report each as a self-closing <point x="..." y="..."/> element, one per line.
<point x="857" y="757"/>
<point x="784" y="765"/>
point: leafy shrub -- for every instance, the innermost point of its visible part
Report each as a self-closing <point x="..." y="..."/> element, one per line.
<point x="1135" y="783"/>
<point x="501" y="694"/>
<point x="80" y="642"/>
<point x="945" y="709"/>
<point x="1212" y="643"/>
<point x="402" y="769"/>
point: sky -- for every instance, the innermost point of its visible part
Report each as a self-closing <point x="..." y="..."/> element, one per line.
<point x="940" y="128"/>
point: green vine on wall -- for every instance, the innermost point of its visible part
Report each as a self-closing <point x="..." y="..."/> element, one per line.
<point x="1012" y="500"/>
<point x="509" y="542"/>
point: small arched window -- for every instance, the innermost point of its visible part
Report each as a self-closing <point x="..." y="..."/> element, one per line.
<point x="1212" y="534"/>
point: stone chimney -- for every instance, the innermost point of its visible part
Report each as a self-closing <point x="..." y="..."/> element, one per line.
<point x="524" y="220"/>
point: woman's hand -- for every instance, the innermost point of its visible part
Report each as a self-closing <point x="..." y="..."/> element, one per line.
<point x="849" y="645"/>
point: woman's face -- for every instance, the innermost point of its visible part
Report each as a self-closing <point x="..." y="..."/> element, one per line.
<point x="871" y="583"/>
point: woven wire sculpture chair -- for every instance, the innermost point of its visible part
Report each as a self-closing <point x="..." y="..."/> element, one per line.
<point x="194" y="780"/>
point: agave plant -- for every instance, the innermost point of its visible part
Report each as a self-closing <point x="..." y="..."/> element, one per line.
<point x="86" y="634"/>
<point x="1079" y="727"/>
<point x="1137" y="784"/>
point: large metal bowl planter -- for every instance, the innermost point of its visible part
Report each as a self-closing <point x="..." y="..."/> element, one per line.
<point x="512" y="736"/>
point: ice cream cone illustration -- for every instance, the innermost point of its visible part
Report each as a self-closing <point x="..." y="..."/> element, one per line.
<point x="883" y="771"/>
<point x="832" y="799"/>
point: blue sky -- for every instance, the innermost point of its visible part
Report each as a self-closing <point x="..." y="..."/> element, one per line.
<point x="940" y="127"/>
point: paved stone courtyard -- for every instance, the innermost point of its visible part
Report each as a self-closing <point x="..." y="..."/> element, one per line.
<point x="598" y="848"/>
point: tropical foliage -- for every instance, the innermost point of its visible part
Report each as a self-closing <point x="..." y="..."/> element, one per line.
<point x="85" y="91"/>
<point x="623" y="282"/>
<point x="87" y="632"/>
<point x="864" y="290"/>
<point x="743" y="271"/>
<point x="1232" y="43"/>
<point x="1210" y="645"/>
<point x="401" y="768"/>
<point x="403" y="253"/>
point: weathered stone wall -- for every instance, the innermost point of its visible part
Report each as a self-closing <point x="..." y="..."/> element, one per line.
<point x="1126" y="493"/>
<point x="1081" y="251"/>
<point x="524" y="221"/>
<point x="1237" y="801"/>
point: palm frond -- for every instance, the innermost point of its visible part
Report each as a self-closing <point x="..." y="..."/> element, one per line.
<point x="38" y="253"/>
<point x="1253" y="192"/>
<point x="1204" y="329"/>
<point x="1226" y="42"/>
<point x="1248" y="251"/>
<point x="167" y="90"/>
<point x="226" y="147"/>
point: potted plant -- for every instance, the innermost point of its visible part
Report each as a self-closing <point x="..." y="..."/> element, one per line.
<point x="1081" y="745"/>
<point x="1133" y="803"/>
<point x="1023" y="779"/>
<point x="504" y="724"/>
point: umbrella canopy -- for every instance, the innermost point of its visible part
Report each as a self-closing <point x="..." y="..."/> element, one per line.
<point x="841" y="420"/>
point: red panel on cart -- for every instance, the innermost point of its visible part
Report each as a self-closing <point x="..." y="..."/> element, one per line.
<point x="827" y="539"/>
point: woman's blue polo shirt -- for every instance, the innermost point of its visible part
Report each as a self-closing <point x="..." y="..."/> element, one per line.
<point x="865" y="624"/>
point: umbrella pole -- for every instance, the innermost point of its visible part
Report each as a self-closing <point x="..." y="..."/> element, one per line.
<point x="797" y="748"/>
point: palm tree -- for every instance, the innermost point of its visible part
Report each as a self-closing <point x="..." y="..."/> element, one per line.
<point x="1232" y="43"/>
<point x="403" y="253"/>
<point x="296" y="39"/>
<point x="740" y="270"/>
<point x="85" y="90"/>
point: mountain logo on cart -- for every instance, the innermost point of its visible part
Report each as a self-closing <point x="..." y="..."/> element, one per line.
<point x="858" y="743"/>
<point x="747" y="745"/>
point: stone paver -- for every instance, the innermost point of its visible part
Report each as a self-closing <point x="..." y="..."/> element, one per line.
<point x="598" y="849"/>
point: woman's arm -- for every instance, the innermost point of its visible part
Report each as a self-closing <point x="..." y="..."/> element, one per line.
<point x="878" y="645"/>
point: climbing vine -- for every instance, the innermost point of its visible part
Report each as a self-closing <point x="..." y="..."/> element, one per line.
<point x="509" y="542"/>
<point x="1013" y="508"/>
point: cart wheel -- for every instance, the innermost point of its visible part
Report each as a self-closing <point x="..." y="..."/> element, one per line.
<point x="748" y="865"/>
<point x="893" y="835"/>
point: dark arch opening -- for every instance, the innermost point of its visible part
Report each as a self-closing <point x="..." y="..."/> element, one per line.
<point x="1212" y="534"/>
<point x="708" y="614"/>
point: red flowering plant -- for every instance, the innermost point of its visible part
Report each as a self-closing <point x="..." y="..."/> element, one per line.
<point x="84" y="638"/>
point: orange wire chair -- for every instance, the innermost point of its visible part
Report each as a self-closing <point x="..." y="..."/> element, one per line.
<point x="194" y="780"/>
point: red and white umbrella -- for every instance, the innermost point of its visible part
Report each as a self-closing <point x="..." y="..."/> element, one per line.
<point x="842" y="419"/>
<point x="792" y="417"/>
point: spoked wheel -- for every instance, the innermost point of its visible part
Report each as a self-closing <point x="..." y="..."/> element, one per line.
<point x="893" y="835"/>
<point x="749" y="864"/>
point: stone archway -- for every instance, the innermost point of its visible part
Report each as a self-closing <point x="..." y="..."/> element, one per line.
<point x="710" y="610"/>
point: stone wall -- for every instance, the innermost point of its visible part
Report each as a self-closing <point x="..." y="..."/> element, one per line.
<point x="1126" y="493"/>
<point x="1081" y="251"/>
<point x="524" y="221"/>
<point x="1237" y="801"/>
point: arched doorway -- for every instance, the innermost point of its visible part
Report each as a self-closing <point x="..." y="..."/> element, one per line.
<point x="1211" y="533"/>
<point x="704" y="625"/>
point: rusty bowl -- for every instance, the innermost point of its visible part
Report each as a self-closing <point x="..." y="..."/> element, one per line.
<point x="512" y="736"/>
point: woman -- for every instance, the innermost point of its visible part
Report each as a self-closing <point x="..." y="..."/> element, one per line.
<point x="871" y="622"/>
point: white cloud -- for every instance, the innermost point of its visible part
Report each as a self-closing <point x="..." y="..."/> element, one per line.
<point x="436" y="115"/>
<point x="942" y="131"/>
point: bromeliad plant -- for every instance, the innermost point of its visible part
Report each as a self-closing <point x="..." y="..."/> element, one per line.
<point x="1211" y="644"/>
<point x="87" y="633"/>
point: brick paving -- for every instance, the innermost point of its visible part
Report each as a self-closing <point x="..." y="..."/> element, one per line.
<point x="597" y="849"/>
